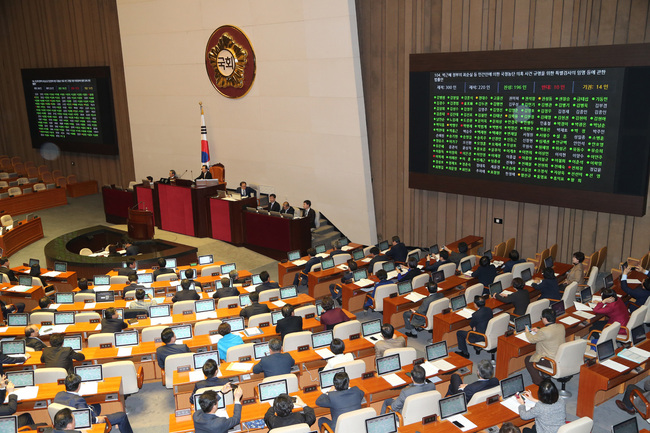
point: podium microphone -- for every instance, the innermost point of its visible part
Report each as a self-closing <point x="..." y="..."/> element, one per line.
<point x="138" y="204"/>
<point x="181" y="176"/>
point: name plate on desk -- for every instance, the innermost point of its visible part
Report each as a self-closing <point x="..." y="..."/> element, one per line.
<point x="244" y="358"/>
<point x="141" y="316"/>
<point x="355" y="336"/>
<point x="263" y="324"/>
<point x="273" y="299"/>
<point x="429" y="419"/>
<point x="187" y="312"/>
<point x="106" y="345"/>
<point x="94" y="320"/>
<point x="183" y="368"/>
<point x="492" y="399"/>
<point x="60" y="382"/>
<point x="368" y="375"/>
<point x="49" y="323"/>
<point x="169" y="295"/>
<point x="393" y="295"/>
<point x="232" y="305"/>
<point x="446" y="311"/>
<point x="418" y="361"/>
<point x="248" y="401"/>
<point x="303" y="348"/>
<point x="88" y="301"/>
<point x="183" y="412"/>
<point x="309" y="388"/>
<point x="214" y="332"/>
<point x="215" y="274"/>
<point x="157" y="340"/>
<point x="310" y="315"/>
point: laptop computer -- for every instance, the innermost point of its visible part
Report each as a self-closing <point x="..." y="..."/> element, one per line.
<point x="496" y="288"/>
<point x="33" y="262"/>
<point x="558" y="307"/>
<point x="404" y="287"/>
<point x="288" y="292"/>
<point x="344" y="241"/>
<point x="465" y="265"/>
<point x="628" y="426"/>
<point x="204" y="305"/>
<point x="586" y="295"/>
<point x="321" y="339"/>
<point x="260" y="350"/>
<point x="319" y="308"/>
<point x="357" y="255"/>
<point x="21" y="378"/>
<point x="522" y="322"/>
<point x="269" y="390"/>
<point x="126" y="338"/>
<point x="453" y="405"/>
<point x="90" y="373"/>
<point x="605" y="350"/>
<point x="327" y="263"/>
<point x="413" y="257"/>
<point x="170" y="263"/>
<point x="16" y="347"/>
<point x="146" y="278"/>
<point x="66" y="318"/>
<point x="436" y="351"/>
<point x="159" y="311"/>
<point x="388" y="266"/>
<point x="293" y="255"/>
<point x="8" y="424"/>
<point x="61" y="266"/>
<point x="17" y="319"/>
<point x="256" y="279"/>
<point x="200" y="358"/>
<point x="609" y="281"/>
<point x="72" y="341"/>
<point x="107" y="296"/>
<point x="64" y="298"/>
<point x="244" y="300"/>
<point x="149" y="292"/>
<point x="386" y="423"/>
<point x="236" y="323"/>
<point x="512" y="385"/>
<point x="25" y="280"/>
<point x="228" y="267"/>
<point x="275" y="316"/>
<point x="360" y="274"/>
<point x="433" y="249"/>
<point x="438" y="277"/>
<point x="383" y="245"/>
<point x="548" y="262"/>
<point x="83" y="419"/>
<point x="638" y="334"/>
<point x="388" y="364"/>
<point x="182" y="332"/>
<point x="372" y="329"/>
<point x="101" y="280"/>
<point x="327" y="377"/>
<point x="206" y="260"/>
<point x="526" y="275"/>
<point x="458" y="302"/>
<point x="221" y="401"/>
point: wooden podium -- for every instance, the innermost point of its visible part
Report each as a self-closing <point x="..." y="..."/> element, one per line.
<point x="140" y="224"/>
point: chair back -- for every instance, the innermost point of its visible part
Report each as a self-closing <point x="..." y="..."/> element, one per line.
<point x="377" y="266"/>
<point x="296" y="428"/>
<point x="54" y="408"/>
<point x="448" y="269"/>
<point x="83" y="251"/>
<point x="602" y="255"/>
<point x="497" y="326"/>
<point x="569" y="358"/>
<point x="581" y="425"/>
<point x="383" y="292"/>
<point x="636" y="318"/>
<point x="516" y="269"/>
<point x="510" y="245"/>
<point x="86" y="316"/>
<point x="167" y="277"/>
<point x="295" y="339"/>
<point x="341" y="258"/>
<point x="81" y="297"/>
<point x="49" y="375"/>
<point x="354" y="421"/>
<point x="481" y="396"/>
<point x="218" y="171"/>
<point x="172" y="362"/>
<point x="316" y="218"/>
<point x="72" y="178"/>
<point x="505" y="278"/>
<point x="345" y="329"/>
<point x="95" y="340"/>
<point x="22" y="180"/>
<point x="119" y="279"/>
<point x="4" y="184"/>
<point x="266" y="295"/>
<point x="303" y="311"/>
<point x="127" y="371"/>
<point x="41" y="316"/>
<point x="546" y="253"/>
<point x="292" y="381"/>
<point x="32" y="172"/>
<point x="417" y="406"/>
<point x="475" y="290"/>
<point x="406" y="354"/>
<point x="254" y="321"/>
<point x="5" y="278"/>
<point x="181" y="306"/>
<point x="610" y="332"/>
<point x="591" y="261"/>
<point x="435" y="307"/>
<point x="228" y="300"/>
<point x="420" y="280"/>
<point x="40" y="187"/>
<point x="591" y="281"/>
<point x="569" y="296"/>
<point x="209" y="270"/>
<point x="535" y="309"/>
<point x="205" y="326"/>
<point x="235" y="352"/>
<point x="354" y="369"/>
<point x="471" y="259"/>
<point x="151" y="333"/>
<point x="14" y="190"/>
<point x="6" y="220"/>
<point x="500" y="249"/>
<point x="366" y="250"/>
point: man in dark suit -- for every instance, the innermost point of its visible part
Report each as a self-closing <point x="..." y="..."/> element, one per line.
<point x="289" y="323"/>
<point x="514" y="260"/>
<point x="273" y="206"/>
<point x="245" y="191"/>
<point x="266" y="284"/>
<point x="82" y="283"/>
<point x="301" y="277"/>
<point x="44" y="304"/>
<point x="205" y="420"/>
<point x="548" y="287"/>
<point x="225" y="289"/>
<point x="336" y="248"/>
<point x="412" y="321"/>
<point x="308" y="212"/>
<point x="111" y="323"/>
<point x="133" y="285"/>
<point x="205" y="173"/>
<point x="281" y="414"/>
<point x="186" y="294"/>
<point x="59" y="356"/>
<point x="412" y="272"/>
<point x="130" y="268"/>
<point x="342" y="400"/>
<point x="485" y="273"/>
<point x="486" y="380"/>
<point x="31" y="338"/>
<point x="255" y="307"/>
<point x="377" y="256"/>
<point x="162" y="269"/>
<point x="520" y="299"/>
<point x="63" y="422"/>
<point x="170" y="348"/>
<point x="456" y="257"/>
<point x="477" y="323"/>
<point x="131" y="249"/>
<point x="10" y="408"/>
<point x="5" y="268"/>
<point x="418" y="376"/>
<point x="276" y="363"/>
<point x="398" y="251"/>
<point x="70" y="397"/>
<point x="443" y="258"/>
<point x="210" y="370"/>
<point x="287" y="209"/>
<point x="189" y="275"/>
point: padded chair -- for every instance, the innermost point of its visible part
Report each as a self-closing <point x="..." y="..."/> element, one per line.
<point x="47" y="177"/>
<point x="181" y="306"/>
<point x="86" y="316"/>
<point x="43" y="168"/>
<point x="420" y="280"/>
<point x="377" y="266"/>
<point x="209" y="270"/>
<point x="353" y="421"/>
<point x="4" y="184"/>
<point x="535" y="309"/>
<point x="228" y="300"/>
<point x="341" y="259"/>
<point x="15" y="191"/>
<point x="499" y="250"/>
<point x="303" y="311"/>
<point x="37" y="317"/>
<point x="292" y="381"/>
<point x="57" y="173"/>
<point x="254" y="321"/>
<point x="471" y="259"/>
<point x="602" y="255"/>
<point x="417" y="406"/>
<point x="61" y="182"/>
<point x="32" y="172"/>
<point x="497" y="326"/>
<point x="581" y="425"/>
<point x="366" y="250"/>
<point x="37" y="282"/>
<point x="72" y="179"/>
<point x="591" y="281"/>
<point x="610" y="332"/>
<point x="296" y="428"/>
<point x="435" y="307"/>
<point x="516" y="269"/>
<point x="448" y="269"/>
<point x="381" y="293"/>
<point x="84" y="251"/>
<point x="218" y="172"/>
<point x="151" y="333"/>
<point x="39" y="187"/>
<point x="167" y="277"/>
<point x="49" y="375"/>
<point x="505" y="278"/>
<point x="316" y="218"/>
<point x="95" y="340"/>
<point x="81" y="297"/>
<point x="132" y="378"/>
<point x="345" y="329"/>
<point x="567" y="362"/>
<point x="205" y="326"/>
<point x="295" y="339"/>
<point x="5" y="278"/>
<point x="354" y="369"/>
<point x="6" y="220"/>
<point x="406" y="354"/>
<point x="266" y="295"/>
<point x="475" y="290"/>
<point x="636" y="318"/>
<point x="172" y="362"/>
<point x="235" y="352"/>
<point x="481" y="396"/>
<point x="119" y="279"/>
<point x="569" y="296"/>
<point x="590" y="262"/>
<point x="54" y="408"/>
<point x="510" y="245"/>
<point x="22" y="180"/>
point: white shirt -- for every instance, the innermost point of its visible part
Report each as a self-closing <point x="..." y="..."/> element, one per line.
<point x="338" y="360"/>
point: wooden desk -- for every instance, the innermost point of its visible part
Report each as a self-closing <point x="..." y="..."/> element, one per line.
<point x="64" y="282"/>
<point x="29" y="298"/>
<point x="227" y="218"/>
<point x="287" y="270"/>
<point x="20" y="236"/>
<point x="276" y="235"/>
<point x="473" y="244"/>
<point x="26" y="203"/>
<point x="79" y="189"/>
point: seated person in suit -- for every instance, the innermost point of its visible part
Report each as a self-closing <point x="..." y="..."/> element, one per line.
<point x="255" y="307"/>
<point x="142" y="301"/>
<point x="70" y="397"/>
<point x="485" y="273"/>
<point x="186" y="293"/>
<point x="348" y="277"/>
<point x="112" y="251"/>
<point x="341" y="400"/>
<point x="412" y="272"/>
<point x="514" y="260"/>
<point x="390" y="340"/>
<point x="225" y="290"/>
<point x="478" y="323"/>
<point x="289" y="323"/>
<point x="273" y="206"/>
<point x="420" y="384"/>
<point x="111" y="323"/>
<point x="189" y="274"/>
<point x="456" y="257"/>
<point x="281" y="414"/>
<point x="486" y="380"/>
<point x="641" y="293"/>
<point x="412" y="322"/>
<point x="377" y="256"/>
<point x="614" y="310"/>
<point x="382" y="275"/>
<point x="7" y="388"/>
<point x="548" y="287"/>
<point x="133" y="285"/>
<point x="331" y="316"/>
<point x="210" y="370"/>
<point x="35" y="270"/>
<point x="266" y="284"/>
<point x="547" y="341"/>
<point x="577" y="273"/>
<point x="43" y="305"/>
<point x="443" y="258"/>
<point x="206" y="421"/>
<point x="170" y="348"/>
<point x="205" y="173"/>
<point x="162" y="269"/>
<point x="131" y="248"/>
<point x="31" y="338"/>
<point x="17" y="307"/>
<point x="301" y="277"/>
<point x="63" y="421"/>
<point x="276" y="363"/>
<point x="172" y="176"/>
<point x="625" y="404"/>
<point x="83" y="286"/>
<point x="398" y="251"/>
<point x="245" y="190"/>
<point x="336" y="248"/>
<point x="337" y="346"/>
<point x="5" y="268"/>
<point x="130" y="269"/>
<point x="309" y="213"/>
<point x="520" y="299"/>
<point x="227" y="340"/>
<point x="234" y="277"/>
<point x="59" y="356"/>
<point x="286" y="208"/>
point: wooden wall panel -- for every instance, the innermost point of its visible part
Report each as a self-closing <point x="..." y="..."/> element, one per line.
<point x="65" y="33"/>
<point x="389" y="30"/>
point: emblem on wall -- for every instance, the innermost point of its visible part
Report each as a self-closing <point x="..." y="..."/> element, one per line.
<point x="230" y="62"/>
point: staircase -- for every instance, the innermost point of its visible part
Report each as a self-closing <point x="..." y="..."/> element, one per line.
<point x="325" y="234"/>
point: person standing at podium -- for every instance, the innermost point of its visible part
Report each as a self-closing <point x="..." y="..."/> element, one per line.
<point x="273" y="206"/>
<point x="308" y="212"/>
<point x="244" y="190"/>
<point x="205" y="173"/>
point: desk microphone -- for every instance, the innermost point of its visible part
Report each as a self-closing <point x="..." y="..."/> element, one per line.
<point x="181" y="176"/>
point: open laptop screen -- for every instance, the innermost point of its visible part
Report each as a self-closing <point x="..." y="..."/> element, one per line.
<point x="25" y="280"/>
<point x="145" y="278"/>
<point x="585" y="295"/>
<point x="629" y="426"/>
<point x="465" y="266"/>
<point x="638" y="334"/>
<point x="512" y="385"/>
<point x="159" y="311"/>
<point x="182" y="332"/>
<point x="8" y="424"/>
<point x="260" y="350"/>
<point x="458" y="303"/>
<point x="61" y="266"/>
<point x="13" y="347"/>
<point x="64" y="298"/>
<point x="357" y="254"/>
<point x="360" y="274"/>
<point x="101" y="280"/>
<point x="236" y="324"/>
<point x="33" y="262"/>
<point x="206" y="260"/>
<point x="170" y="263"/>
<point x="609" y="281"/>
<point x="201" y="358"/>
<point x="558" y="307"/>
<point x="82" y="419"/>
<point x="327" y="263"/>
<point x="388" y="364"/>
<point x="228" y="267"/>
<point x="548" y="262"/>
<point x="327" y="377"/>
<point x="21" y="378"/>
<point x="371" y="327"/>
<point x="72" y="341"/>
<point x="107" y="296"/>
<point x="404" y="287"/>
<point x="245" y="300"/>
<point x="605" y="350"/>
<point x="434" y="249"/>
<point x="383" y="245"/>
<point x="454" y="405"/>
<point x="495" y="288"/>
<point x="275" y="316"/>
<point x="270" y="390"/>
<point x="321" y="339"/>
<point x="90" y="373"/>
<point x="66" y="318"/>
<point x="288" y="292"/>
<point x="293" y="255"/>
<point x="221" y="401"/>
<point x="521" y="322"/>
<point x="382" y="424"/>
<point x="320" y="248"/>
<point x="126" y="338"/>
<point x="437" y="350"/>
<point x="526" y="275"/>
<point x="204" y="305"/>
<point x="17" y="319"/>
<point x="388" y="266"/>
<point x="438" y="276"/>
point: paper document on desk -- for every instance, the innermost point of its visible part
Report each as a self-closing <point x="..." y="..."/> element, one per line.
<point x="215" y="338"/>
<point x="522" y="336"/>
<point x="342" y="267"/>
<point x="25" y="393"/>
<point x="299" y="262"/>
<point x="88" y="388"/>
<point x="55" y="329"/>
<point x="633" y="281"/>
<point x="322" y="255"/>
<point x="175" y="283"/>
<point x="465" y="312"/>
<point x="429" y="368"/>
<point x="584" y="315"/>
<point x="162" y="320"/>
<point x="253" y="331"/>
<point x="89" y="306"/>
<point x="52" y="274"/>
<point x="98" y="327"/>
<point x="393" y="379"/>
<point x="240" y="366"/>
<point x="159" y="300"/>
<point x="614" y="365"/>
<point x="101" y="288"/>
<point x="324" y="353"/>
<point x="279" y="303"/>
<point x="512" y="404"/>
<point x="466" y="424"/>
<point x="141" y="271"/>
<point x="414" y="296"/>
<point x="196" y="375"/>
<point x="3" y="330"/>
<point x="373" y="339"/>
<point x="249" y="289"/>
<point x="347" y="248"/>
<point x="636" y="350"/>
<point x="18" y="288"/>
<point x="580" y="307"/>
<point x="569" y="320"/>
<point x="392" y="274"/>
<point x="366" y="259"/>
<point x="443" y="365"/>
<point x="222" y="413"/>
<point x="206" y="315"/>
<point x="632" y="356"/>
<point x="596" y="298"/>
<point x="364" y="282"/>
<point x="506" y="292"/>
<point x="124" y="351"/>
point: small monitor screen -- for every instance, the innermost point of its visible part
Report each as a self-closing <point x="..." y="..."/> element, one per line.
<point x="90" y="373"/>
<point x="320" y="248"/>
<point x="101" y="280"/>
<point x="383" y="245"/>
<point x="360" y="274"/>
<point x="344" y="241"/>
<point x="526" y="275"/>
<point x="182" y="332"/>
<point x="327" y="376"/>
<point x="454" y="405"/>
<point x="236" y="324"/>
<point x="201" y="358"/>
<point x="206" y="260"/>
<point x="145" y="278"/>
<point x="204" y="305"/>
<point x="8" y="424"/>
<point x="465" y="265"/>
<point x="404" y="287"/>
<point x="495" y="288"/>
<point x="382" y="424"/>
<point x="321" y="339"/>
<point x="17" y="319"/>
<point x="371" y="328"/>
<point x="522" y="322"/>
<point x="585" y="295"/>
<point x="512" y="385"/>
<point x="609" y="281"/>
<point x="64" y="298"/>
<point x="605" y="350"/>
<point x="433" y="249"/>
<point x="288" y="292"/>
<point x="21" y="378"/>
<point x="244" y="300"/>
<point x="218" y="285"/>
<point x="170" y="263"/>
<point x="327" y="263"/>
<point x="275" y="316"/>
<point x="82" y="419"/>
<point x="388" y="364"/>
<point x="25" y="280"/>
<point x="221" y="401"/>
<point x="159" y="311"/>
<point x="107" y="296"/>
<point x="388" y="266"/>
<point x="126" y="338"/>
<point x="270" y="390"/>
<point x="149" y="292"/>
<point x="629" y="426"/>
<point x="66" y="318"/>
<point x="458" y="303"/>
<point x="319" y="309"/>
<point x="293" y="255"/>
<point x="256" y="279"/>
<point x="438" y="277"/>
<point x="357" y="254"/>
<point x="13" y="347"/>
<point x="437" y="351"/>
<point x="72" y="341"/>
<point x="60" y="266"/>
<point x="261" y="350"/>
<point x="558" y="307"/>
<point x="413" y="257"/>
<point x="228" y="267"/>
<point x="638" y="334"/>
<point x="548" y="262"/>
<point x="33" y="262"/>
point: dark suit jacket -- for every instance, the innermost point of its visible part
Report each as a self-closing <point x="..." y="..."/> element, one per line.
<point x="520" y="300"/>
<point x="186" y="295"/>
<point x="132" y="250"/>
<point x="398" y="252"/>
<point x="34" y="343"/>
<point x="209" y="423"/>
<point x="480" y="319"/>
<point x="76" y="401"/>
<point x="113" y="326"/>
<point x="207" y="383"/>
<point x="4" y="359"/>
<point x="335" y="252"/>
<point x="9" y="272"/>
<point x="548" y="288"/>
<point x="253" y="309"/>
<point x="507" y="266"/>
<point x="479" y="385"/>
<point x="130" y="287"/>
<point x="377" y="258"/>
<point x="224" y="292"/>
<point x="274" y="364"/>
<point x="162" y="271"/>
<point x="248" y="192"/>
<point x="288" y="325"/>
<point x="422" y="309"/>
<point x="310" y="263"/>
<point x="639" y="294"/>
<point x="485" y="275"/>
<point x="206" y="175"/>
<point x="290" y="211"/>
<point x="456" y="257"/>
<point x="9" y="408"/>
<point x="412" y="273"/>
<point x="266" y="286"/>
<point x="311" y="216"/>
<point x="126" y="272"/>
<point x="169" y="349"/>
<point x="60" y="357"/>
<point x="306" y="416"/>
<point x="275" y="207"/>
<point x="341" y="402"/>
<point x="434" y="267"/>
